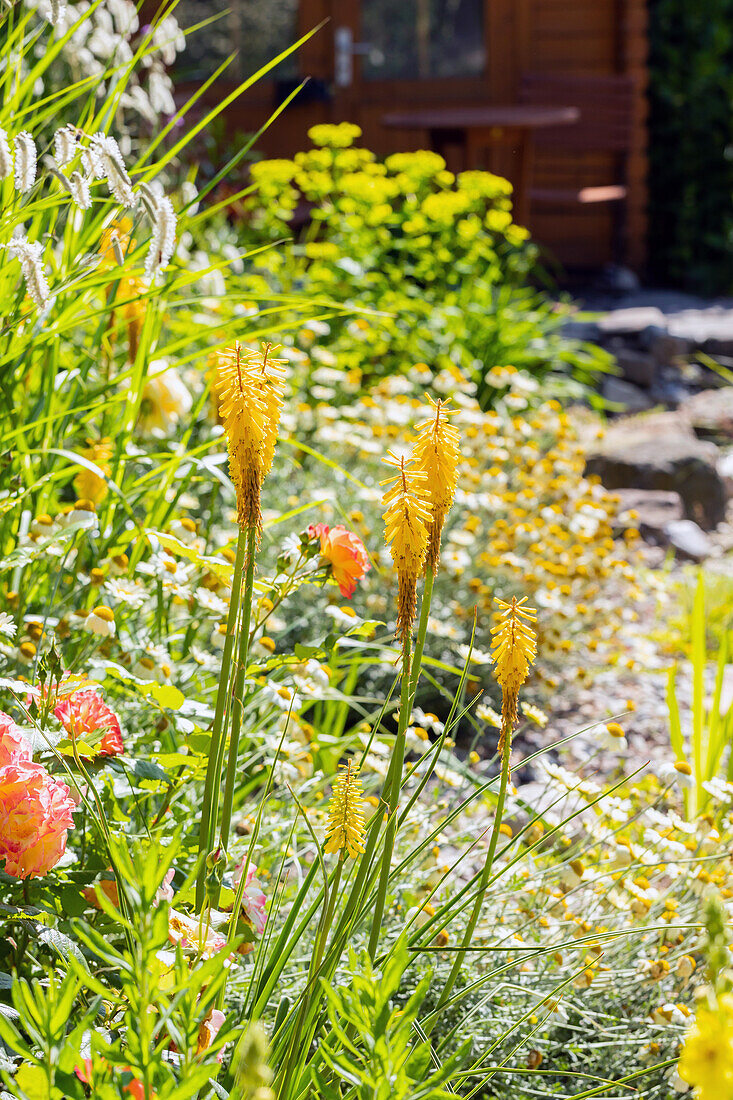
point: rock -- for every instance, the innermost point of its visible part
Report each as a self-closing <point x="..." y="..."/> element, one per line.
<point x="669" y="388"/>
<point x="619" y="392"/>
<point x="663" y="347"/>
<point x="631" y="322"/>
<point x="711" y="413"/>
<point x="688" y="540"/>
<point x="650" y="511"/>
<point x="581" y="330"/>
<point x="662" y="452"/>
<point x="637" y="367"/>
<point x="710" y="329"/>
<point x="725" y="469"/>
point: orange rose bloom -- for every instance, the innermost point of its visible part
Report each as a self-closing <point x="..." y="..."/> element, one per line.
<point x="345" y="553"/>
<point x="35" y="814"/>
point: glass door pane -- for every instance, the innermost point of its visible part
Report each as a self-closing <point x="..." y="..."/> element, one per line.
<point x="257" y="29"/>
<point x="419" y="39"/>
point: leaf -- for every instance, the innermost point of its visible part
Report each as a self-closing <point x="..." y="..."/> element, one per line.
<point x="218" y="1090"/>
<point x="61" y="943"/>
<point x="148" y="769"/>
<point x="168" y="695"/>
<point x="220" y="568"/>
<point x="72" y="902"/>
<point x="675" y="726"/>
<point x="32" y="1080"/>
<point x="23" y="555"/>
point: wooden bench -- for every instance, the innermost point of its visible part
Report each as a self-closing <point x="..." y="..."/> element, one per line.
<point x="605" y="104"/>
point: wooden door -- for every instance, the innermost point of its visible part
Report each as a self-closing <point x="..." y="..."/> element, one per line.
<point x="400" y="55"/>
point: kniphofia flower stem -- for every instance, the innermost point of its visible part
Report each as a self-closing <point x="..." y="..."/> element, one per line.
<point x="485" y="876"/>
<point x="241" y="669"/>
<point x="210" y="807"/>
<point x="391" y="796"/>
<point x="422" y="630"/>
<point x="514" y="650"/>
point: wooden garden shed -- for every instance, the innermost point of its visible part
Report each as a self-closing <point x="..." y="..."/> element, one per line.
<point x="473" y="78"/>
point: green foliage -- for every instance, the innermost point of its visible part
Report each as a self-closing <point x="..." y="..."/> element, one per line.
<point x="711" y="741"/>
<point x="691" y="135"/>
<point x="117" y="568"/>
<point x="375" y="1044"/>
<point x="433" y="264"/>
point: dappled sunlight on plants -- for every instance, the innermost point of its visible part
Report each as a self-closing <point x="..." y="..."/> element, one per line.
<point x="299" y="560"/>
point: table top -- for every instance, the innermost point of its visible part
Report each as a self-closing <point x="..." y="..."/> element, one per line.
<point x="522" y="116"/>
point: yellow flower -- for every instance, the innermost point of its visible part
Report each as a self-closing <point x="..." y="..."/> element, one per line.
<point x="243" y="414"/>
<point x="249" y="386"/>
<point x="345" y="828"/>
<point x="406" y="532"/>
<point x="87" y="484"/>
<point x="514" y="649"/>
<point x="270" y="373"/>
<point x="437" y="455"/>
<point x="706" y="1061"/>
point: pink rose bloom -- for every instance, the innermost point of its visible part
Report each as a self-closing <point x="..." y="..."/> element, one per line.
<point x="165" y="890"/>
<point x="14" y="748"/>
<point x="85" y="715"/>
<point x="35" y="813"/>
<point x="345" y="553"/>
<point x="208" y="1031"/>
<point x="253" y="898"/>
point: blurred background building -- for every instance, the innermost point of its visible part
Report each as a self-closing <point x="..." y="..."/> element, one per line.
<point x="474" y="79"/>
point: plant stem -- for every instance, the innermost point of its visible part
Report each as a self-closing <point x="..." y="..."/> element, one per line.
<point x="210" y="805"/>
<point x="393" y="793"/>
<point x="486" y="873"/>
<point x="422" y="631"/>
<point x="312" y="981"/>
<point x="241" y="668"/>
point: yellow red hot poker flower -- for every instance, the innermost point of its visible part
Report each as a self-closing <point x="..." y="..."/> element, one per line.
<point x="407" y="519"/>
<point x="345" y="827"/>
<point x="269" y="373"/>
<point x="514" y="649"/>
<point x="250" y="401"/>
<point x="436" y="453"/>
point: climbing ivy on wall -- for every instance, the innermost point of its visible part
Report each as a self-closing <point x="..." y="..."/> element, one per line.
<point x="691" y="144"/>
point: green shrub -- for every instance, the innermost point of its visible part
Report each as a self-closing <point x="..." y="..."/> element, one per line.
<point x="691" y="135"/>
<point x="432" y="264"/>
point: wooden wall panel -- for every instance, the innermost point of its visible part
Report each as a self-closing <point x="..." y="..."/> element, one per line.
<point x="592" y="37"/>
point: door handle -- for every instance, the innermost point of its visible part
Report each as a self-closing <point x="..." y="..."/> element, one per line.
<point x="344" y="50"/>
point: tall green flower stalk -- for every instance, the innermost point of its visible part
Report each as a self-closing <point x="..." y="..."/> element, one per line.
<point x="407" y="518"/>
<point x="210" y="807"/>
<point x="345" y="836"/>
<point x="239" y="680"/>
<point x="417" y="501"/>
<point x="514" y="649"/>
<point x="249" y="389"/>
